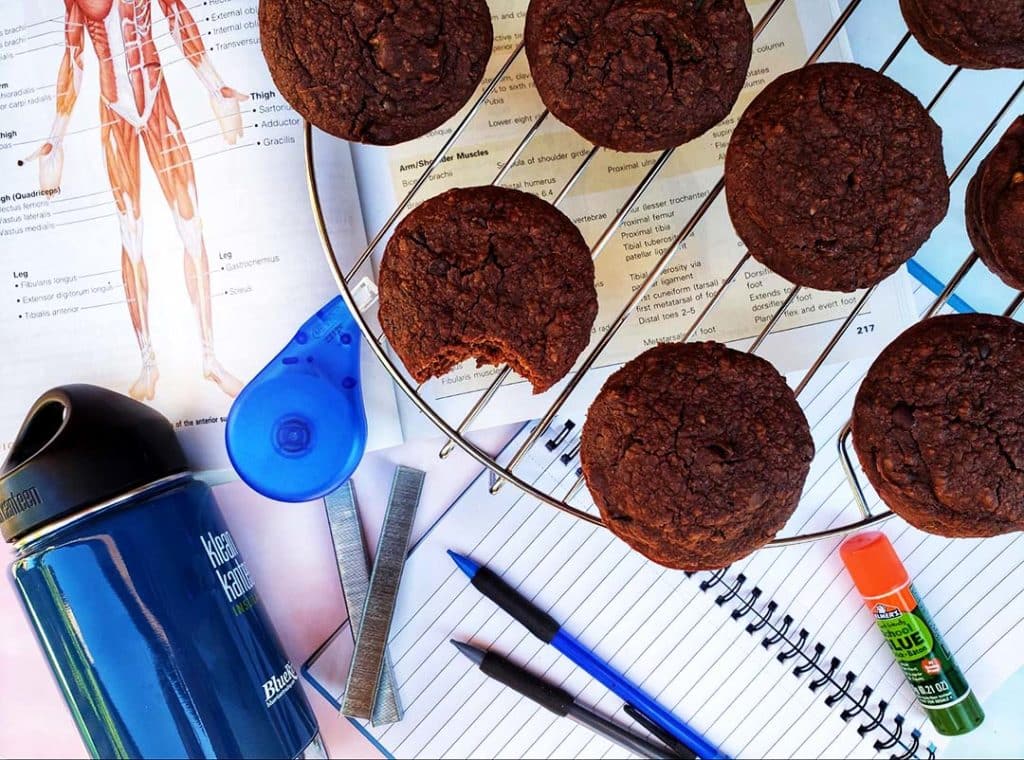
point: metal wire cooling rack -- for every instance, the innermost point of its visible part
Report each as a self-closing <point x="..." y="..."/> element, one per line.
<point x="346" y="282"/>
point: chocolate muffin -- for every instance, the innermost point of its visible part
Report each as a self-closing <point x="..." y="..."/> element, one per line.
<point x="639" y="75"/>
<point x="376" y="72"/>
<point x="696" y="454"/>
<point x="834" y="176"/>
<point x="976" y="35"/>
<point x="938" y="425"/>
<point x="995" y="207"/>
<point x="492" y="274"/>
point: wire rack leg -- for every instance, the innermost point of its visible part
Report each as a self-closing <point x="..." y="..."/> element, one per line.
<point x="951" y="286"/>
<point x="575" y="488"/>
<point x="713" y="301"/>
<point x="1011" y="310"/>
<point x="823" y="356"/>
<point x="988" y="130"/>
<point x="767" y="330"/>
<point x="848" y="468"/>
<point x="527" y="138"/>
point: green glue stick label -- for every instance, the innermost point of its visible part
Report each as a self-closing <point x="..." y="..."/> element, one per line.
<point x="916" y="644"/>
<point x="919" y="649"/>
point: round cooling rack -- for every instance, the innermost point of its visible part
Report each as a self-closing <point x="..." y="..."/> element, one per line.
<point x="506" y="473"/>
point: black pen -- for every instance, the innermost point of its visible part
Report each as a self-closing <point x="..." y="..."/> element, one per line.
<point x="548" y="630"/>
<point x="560" y="702"/>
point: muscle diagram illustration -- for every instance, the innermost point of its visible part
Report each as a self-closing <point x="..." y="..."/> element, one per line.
<point x="135" y="105"/>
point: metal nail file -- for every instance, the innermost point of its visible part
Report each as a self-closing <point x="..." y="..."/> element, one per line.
<point x="371" y="641"/>
<point x="354" y="571"/>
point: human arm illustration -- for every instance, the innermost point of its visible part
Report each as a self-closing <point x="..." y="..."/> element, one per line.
<point x="69" y="79"/>
<point x="189" y="40"/>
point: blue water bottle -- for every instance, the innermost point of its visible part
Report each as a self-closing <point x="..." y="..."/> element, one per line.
<point x="136" y="590"/>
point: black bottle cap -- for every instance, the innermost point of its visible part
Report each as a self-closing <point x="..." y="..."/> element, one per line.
<point x="79" y="446"/>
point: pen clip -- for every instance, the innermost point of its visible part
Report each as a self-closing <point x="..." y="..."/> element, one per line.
<point x="677" y="748"/>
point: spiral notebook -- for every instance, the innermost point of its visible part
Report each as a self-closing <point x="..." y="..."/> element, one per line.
<point x="773" y="657"/>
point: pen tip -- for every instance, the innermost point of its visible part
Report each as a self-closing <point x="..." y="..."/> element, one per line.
<point x="466" y="565"/>
<point x="470" y="651"/>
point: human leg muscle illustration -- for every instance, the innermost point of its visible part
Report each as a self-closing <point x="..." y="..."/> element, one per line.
<point x="135" y="106"/>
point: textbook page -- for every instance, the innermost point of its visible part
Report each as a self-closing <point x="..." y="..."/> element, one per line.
<point x="155" y="230"/>
<point x="695" y="272"/>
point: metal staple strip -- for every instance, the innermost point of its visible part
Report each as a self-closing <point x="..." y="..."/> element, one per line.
<point x="382" y="594"/>
<point x="354" y="571"/>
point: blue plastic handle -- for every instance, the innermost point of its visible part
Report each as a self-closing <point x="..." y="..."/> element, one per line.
<point x="298" y="430"/>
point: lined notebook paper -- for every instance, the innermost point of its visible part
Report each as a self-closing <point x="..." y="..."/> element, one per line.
<point x="773" y="657"/>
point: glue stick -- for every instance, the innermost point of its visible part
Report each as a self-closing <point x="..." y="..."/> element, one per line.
<point x="917" y="645"/>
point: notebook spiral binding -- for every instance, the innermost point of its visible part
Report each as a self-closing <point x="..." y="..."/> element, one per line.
<point x="778" y="633"/>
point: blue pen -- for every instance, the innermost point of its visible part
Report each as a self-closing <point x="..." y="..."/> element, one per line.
<point x="545" y="628"/>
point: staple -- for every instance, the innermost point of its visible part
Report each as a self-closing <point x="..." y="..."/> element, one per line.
<point x="354" y="573"/>
<point x="369" y="658"/>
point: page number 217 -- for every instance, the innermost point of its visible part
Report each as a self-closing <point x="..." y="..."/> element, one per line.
<point x="865" y="329"/>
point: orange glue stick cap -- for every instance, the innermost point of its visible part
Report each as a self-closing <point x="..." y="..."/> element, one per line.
<point x="873" y="564"/>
